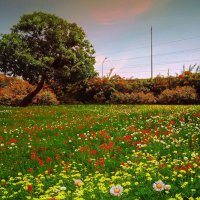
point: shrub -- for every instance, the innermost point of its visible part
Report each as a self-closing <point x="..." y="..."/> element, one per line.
<point x="45" y="97"/>
<point x="94" y="90"/>
<point x="8" y="97"/>
<point x="133" y="98"/>
<point x="185" y="94"/>
<point x="147" y="98"/>
<point x="13" y="90"/>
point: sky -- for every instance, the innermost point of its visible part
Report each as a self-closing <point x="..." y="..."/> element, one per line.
<point x="120" y="31"/>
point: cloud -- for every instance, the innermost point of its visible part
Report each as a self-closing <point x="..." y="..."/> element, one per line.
<point x="113" y="11"/>
<point x="118" y="65"/>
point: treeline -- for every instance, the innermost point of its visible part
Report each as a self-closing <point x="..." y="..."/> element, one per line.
<point x="182" y="89"/>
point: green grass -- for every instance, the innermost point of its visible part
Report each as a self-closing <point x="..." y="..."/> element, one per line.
<point x="44" y="148"/>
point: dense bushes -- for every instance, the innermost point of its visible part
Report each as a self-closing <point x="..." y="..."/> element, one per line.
<point x="13" y="90"/>
<point x="182" y="89"/>
<point x="133" y="98"/>
<point x="185" y="94"/>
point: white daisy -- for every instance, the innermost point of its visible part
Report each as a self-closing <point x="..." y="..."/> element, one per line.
<point x="159" y="186"/>
<point x="63" y="188"/>
<point x="78" y="182"/>
<point x="167" y="187"/>
<point x="116" y="190"/>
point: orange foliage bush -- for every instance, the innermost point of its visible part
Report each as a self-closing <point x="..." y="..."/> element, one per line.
<point x="178" y="95"/>
<point x="133" y="98"/>
<point x="13" y="90"/>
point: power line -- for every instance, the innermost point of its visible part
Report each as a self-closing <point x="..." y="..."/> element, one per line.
<point x="147" y="56"/>
<point x="194" y="19"/>
<point x="156" y="45"/>
<point x="149" y="71"/>
<point x="141" y="33"/>
<point x="166" y="25"/>
<point x="147" y="65"/>
<point x="180" y="40"/>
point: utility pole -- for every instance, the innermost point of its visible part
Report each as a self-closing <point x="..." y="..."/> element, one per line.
<point x="102" y="65"/>
<point x="151" y="55"/>
<point x="183" y="68"/>
<point x="168" y="73"/>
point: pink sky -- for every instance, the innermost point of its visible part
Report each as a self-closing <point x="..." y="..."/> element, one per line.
<point x="115" y="10"/>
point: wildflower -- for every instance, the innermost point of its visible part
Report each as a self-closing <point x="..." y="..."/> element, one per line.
<point x="29" y="187"/>
<point x="48" y="159"/>
<point x="158" y="186"/>
<point x="78" y="182"/>
<point x="63" y="188"/>
<point x="30" y="170"/>
<point x="93" y="151"/>
<point x="116" y="190"/>
<point x="127" y="137"/>
<point x="191" y="198"/>
<point x="183" y="168"/>
<point x="184" y="184"/>
<point x="136" y="183"/>
<point x="3" y="180"/>
<point x="57" y="156"/>
<point x="179" y="197"/>
<point x="167" y="187"/>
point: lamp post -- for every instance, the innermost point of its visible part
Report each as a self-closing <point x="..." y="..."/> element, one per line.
<point x="102" y="65"/>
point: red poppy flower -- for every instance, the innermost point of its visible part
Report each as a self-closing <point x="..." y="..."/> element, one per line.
<point x="48" y="159"/>
<point x="183" y="168"/>
<point x="41" y="162"/>
<point x="189" y="166"/>
<point x="29" y="187"/>
<point x="127" y="137"/>
<point x="57" y="156"/>
<point x="30" y="170"/>
<point x="93" y="152"/>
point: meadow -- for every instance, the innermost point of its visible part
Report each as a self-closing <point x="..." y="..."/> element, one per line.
<point x="100" y="152"/>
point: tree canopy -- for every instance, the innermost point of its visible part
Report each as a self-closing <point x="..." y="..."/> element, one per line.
<point x="43" y="47"/>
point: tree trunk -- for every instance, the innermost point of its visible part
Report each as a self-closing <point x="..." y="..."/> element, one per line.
<point x="28" y="99"/>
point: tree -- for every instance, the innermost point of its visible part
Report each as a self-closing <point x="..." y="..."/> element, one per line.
<point x="43" y="47"/>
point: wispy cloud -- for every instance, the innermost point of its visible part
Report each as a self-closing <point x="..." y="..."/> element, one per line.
<point x="114" y="11"/>
<point x="117" y="65"/>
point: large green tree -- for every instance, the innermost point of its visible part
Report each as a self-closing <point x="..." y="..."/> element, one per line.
<point x="43" y="47"/>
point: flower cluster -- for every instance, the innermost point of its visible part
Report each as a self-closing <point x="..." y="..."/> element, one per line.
<point x="100" y="152"/>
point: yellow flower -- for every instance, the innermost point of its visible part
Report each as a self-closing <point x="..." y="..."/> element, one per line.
<point x="126" y="190"/>
<point x="179" y="197"/>
<point x="184" y="184"/>
<point x="128" y="183"/>
<point x="149" y="179"/>
<point x="191" y="198"/>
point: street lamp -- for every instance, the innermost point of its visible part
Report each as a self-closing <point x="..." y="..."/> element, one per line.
<point x="102" y="65"/>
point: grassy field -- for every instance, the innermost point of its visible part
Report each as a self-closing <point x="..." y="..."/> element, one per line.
<point x="100" y="152"/>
